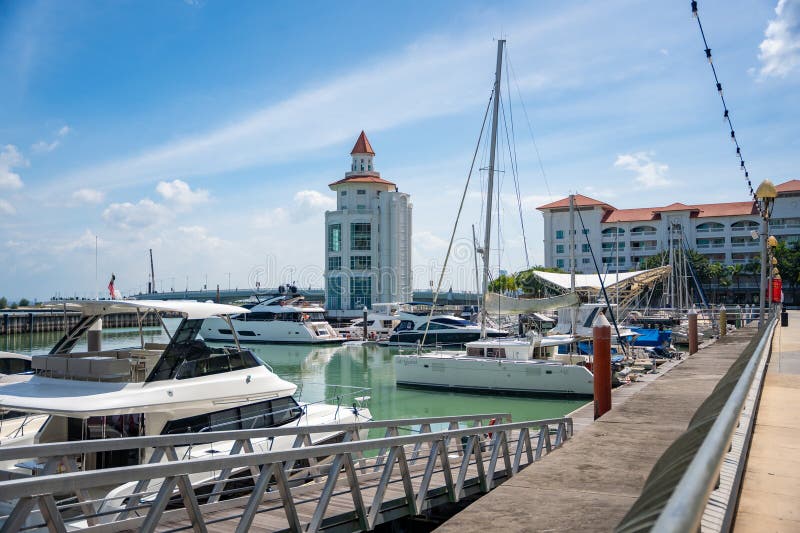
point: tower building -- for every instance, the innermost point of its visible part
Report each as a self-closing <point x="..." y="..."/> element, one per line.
<point x="367" y="239"/>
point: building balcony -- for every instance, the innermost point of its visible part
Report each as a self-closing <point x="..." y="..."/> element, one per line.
<point x="709" y="230"/>
<point x="745" y="244"/>
<point x="642" y="233"/>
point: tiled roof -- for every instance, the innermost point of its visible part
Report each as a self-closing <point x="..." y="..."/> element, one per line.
<point x="789" y="186"/>
<point x="362" y="145"/>
<point x="580" y="201"/>
<point x="703" y="211"/>
<point x="677" y="206"/>
<point x="363" y="179"/>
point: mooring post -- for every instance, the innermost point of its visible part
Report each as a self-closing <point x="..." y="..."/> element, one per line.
<point x="692" y="331"/>
<point x="602" y="366"/>
<point x="723" y="321"/>
<point x="94" y="336"/>
<point x="365" y="322"/>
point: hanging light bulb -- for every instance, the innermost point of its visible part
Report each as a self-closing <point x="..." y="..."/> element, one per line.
<point x="708" y="55"/>
<point x="719" y="88"/>
<point x="694" y="8"/>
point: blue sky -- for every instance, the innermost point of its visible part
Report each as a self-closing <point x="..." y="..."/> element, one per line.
<point x="209" y="131"/>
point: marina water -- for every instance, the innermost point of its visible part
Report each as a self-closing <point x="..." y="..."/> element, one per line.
<point x="328" y="373"/>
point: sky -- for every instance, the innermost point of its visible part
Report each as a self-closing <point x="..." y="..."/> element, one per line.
<point x="208" y="131"/>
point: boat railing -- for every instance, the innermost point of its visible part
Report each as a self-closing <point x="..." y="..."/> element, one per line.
<point x="697" y="480"/>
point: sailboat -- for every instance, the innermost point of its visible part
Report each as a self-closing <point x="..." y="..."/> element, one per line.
<point x="500" y="365"/>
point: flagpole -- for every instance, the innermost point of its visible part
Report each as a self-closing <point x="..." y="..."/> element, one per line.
<point x="96" y="281"/>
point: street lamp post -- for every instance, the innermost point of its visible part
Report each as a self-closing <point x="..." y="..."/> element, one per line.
<point x="766" y="194"/>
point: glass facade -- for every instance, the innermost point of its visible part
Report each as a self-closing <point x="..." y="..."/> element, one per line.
<point x="360" y="262"/>
<point x="360" y="292"/>
<point x="334" y="263"/>
<point x="360" y="236"/>
<point x="334" y="299"/>
<point x="335" y="238"/>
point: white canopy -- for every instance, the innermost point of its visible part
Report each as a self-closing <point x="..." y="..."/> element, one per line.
<point x="586" y="281"/>
<point x="188" y="308"/>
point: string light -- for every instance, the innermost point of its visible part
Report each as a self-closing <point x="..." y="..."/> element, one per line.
<point x="726" y="112"/>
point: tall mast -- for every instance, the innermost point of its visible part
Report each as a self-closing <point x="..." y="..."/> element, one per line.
<point x="152" y="273"/>
<point x="574" y="311"/>
<point x="490" y="186"/>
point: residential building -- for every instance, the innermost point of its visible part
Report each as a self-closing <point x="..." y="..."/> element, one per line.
<point x="622" y="238"/>
<point x="367" y="239"/>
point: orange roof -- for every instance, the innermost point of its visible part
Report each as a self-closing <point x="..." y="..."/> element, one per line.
<point x="789" y="186"/>
<point x="363" y="179"/>
<point x="704" y="211"/>
<point x="362" y="145"/>
<point x="580" y="201"/>
<point x="677" y="206"/>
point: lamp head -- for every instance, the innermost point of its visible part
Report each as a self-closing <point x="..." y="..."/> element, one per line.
<point x="766" y="191"/>
<point x="774" y="261"/>
<point x="772" y="241"/>
<point x="775" y="272"/>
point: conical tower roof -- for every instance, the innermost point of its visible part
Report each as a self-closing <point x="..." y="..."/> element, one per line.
<point x="362" y="145"/>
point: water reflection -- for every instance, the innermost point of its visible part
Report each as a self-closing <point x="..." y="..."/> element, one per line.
<point x="337" y="373"/>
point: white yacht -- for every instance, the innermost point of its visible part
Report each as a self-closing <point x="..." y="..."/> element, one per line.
<point x="507" y="366"/>
<point x="279" y="319"/>
<point x="186" y="386"/>
<point x="436" y="329"/>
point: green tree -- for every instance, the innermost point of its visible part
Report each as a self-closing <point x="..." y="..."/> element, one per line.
<point x="502" y="283"/>
<point x="24" y="302"/>
<point x="788" y="256"/>
<point x="3" y="302"/>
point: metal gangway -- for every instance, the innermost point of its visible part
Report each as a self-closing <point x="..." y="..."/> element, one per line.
<point x="354" y="484"/>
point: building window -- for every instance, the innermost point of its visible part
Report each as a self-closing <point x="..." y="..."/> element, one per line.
<point x="560" y="234"/>
<point x="360" y="262"/>
<point x="335" y="238"/>
<point x="586" y="260"/>
<point x="360" y="292"/>
<point x="585" y="231"/>
<point x="560" y="263"/>
<point x="585" y="248"/>
<point x="559" y="248"/>
<point x="360" y="236"/>
<point x="361" y="207"/>
<point x="344" y="193"/>
<point x="362" y="164"/>
<point x="361" y="191"/>
<point x="369" y="166"/>
<point x="334" y="299"/>
<point x="334" y="263"/>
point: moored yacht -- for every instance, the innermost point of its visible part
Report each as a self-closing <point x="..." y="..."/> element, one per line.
<point x="186" y="386"/>
<point x="278" y="319"/>
<point x="436" y="329"/>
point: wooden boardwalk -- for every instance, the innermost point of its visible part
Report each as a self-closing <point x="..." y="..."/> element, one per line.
<point x="594" y="479"/>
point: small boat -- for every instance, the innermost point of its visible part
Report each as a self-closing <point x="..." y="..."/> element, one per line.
<point x="281" y="319"/>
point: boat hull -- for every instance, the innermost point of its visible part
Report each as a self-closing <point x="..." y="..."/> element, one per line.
<point x="529" y="378"/>
<point x="433" y="338"/>
<point x="273" y="332"/>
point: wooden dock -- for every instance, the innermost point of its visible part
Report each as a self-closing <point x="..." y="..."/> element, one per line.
<point x="594" y="479"/>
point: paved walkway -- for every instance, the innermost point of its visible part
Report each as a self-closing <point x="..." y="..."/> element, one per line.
<point x="591" y="482"/>
<point x="770" y="498"/>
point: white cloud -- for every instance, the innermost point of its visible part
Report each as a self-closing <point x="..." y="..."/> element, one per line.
<point x="309" y="202"/>
<point x="6" y="208"/>
<point x="43" y="147"/>
<point x="780" y="49"/>
<point x="648" y="173"/>
<point x="11" y="158"/>
<point x="179" y="193"/>
<point x="198" y="235"/>
<point x="144" y="214"/>
<point x="87" y="241"/>
<point x="88" y="196"/>
<point x="64" y="131"/>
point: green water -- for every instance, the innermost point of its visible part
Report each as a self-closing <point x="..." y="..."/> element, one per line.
<point x="330" y="372"/>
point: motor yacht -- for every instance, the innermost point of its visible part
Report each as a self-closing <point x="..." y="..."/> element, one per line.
<point x="436" y="329"/>
<point x="279" y="319"/>
<point x="186" y="386"/>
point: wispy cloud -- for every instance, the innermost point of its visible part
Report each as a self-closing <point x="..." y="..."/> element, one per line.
<point x="386" y="92"/>
<point x="88" y="196"/>
<point x="11" y="158"/>
<point x="780" y="49"/>
<point x="648" y="174"/>
<point x="6" y="208"/>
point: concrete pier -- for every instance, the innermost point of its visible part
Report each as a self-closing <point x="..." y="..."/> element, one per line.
<point x="594" y="479"/>
<point x="771" y="486"/>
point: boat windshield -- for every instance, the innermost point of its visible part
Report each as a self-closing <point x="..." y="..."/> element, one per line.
<point x="187" y="356"/>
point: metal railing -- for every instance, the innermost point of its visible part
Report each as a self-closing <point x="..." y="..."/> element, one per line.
<point x="677" y="491"/>
<point x="293" y="487"/>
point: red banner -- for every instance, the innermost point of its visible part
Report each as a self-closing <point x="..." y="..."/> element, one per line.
<point x="777" y="286"/>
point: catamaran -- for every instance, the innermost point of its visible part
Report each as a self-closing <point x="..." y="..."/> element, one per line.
<point x="501" y="365"/>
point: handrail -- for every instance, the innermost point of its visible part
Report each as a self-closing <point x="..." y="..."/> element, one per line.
<point x="58" y="449"/>
<point x="685" y="507"/>
<point x="72" y="481"/>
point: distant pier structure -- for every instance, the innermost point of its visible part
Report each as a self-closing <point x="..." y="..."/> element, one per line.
<point x="367" y="239"/>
